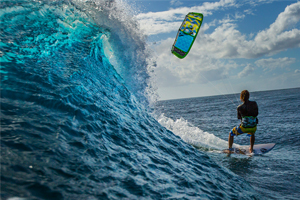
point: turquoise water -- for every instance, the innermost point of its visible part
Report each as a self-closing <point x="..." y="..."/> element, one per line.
<point x="77" y="119"/>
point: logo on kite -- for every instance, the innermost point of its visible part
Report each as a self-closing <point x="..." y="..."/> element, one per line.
<point x="187" y="34"/>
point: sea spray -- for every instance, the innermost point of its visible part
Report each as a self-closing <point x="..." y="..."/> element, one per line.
<point x="191" y="134"/>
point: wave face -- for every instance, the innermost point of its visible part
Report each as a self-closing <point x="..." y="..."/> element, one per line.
<point x="75" y="116"/>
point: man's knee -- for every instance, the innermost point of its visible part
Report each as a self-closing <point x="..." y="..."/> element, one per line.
<point x="231" y="134"/>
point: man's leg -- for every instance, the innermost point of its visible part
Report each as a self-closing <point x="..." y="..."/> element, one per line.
<point x="230" y="140"/>
<point x="232" y="133"/>
<point x="252" y="140"/>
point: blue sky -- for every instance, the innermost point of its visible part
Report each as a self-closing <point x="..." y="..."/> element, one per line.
<point x="241" y="45"/>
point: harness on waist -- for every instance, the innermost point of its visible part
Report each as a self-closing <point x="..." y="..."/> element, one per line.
<point x="249" y="122"/>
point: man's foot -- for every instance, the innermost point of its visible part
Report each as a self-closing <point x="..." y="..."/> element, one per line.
<point x="229" y="151"/>
<point x="251" y="150"/>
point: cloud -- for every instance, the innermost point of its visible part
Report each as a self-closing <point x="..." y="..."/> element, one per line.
<point x="227" y="42"/>
<point x="196" y="68"/>
<point x="246" y="71"/>
<point x="167" y="21"/>
<point x="272" y="63"/>
<point x="297" y="71"/>
<point x="249" y="12"/>
<point x="278" y="36"/>
<point x="175" y="3"/>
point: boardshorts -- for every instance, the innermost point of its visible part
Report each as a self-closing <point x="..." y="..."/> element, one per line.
<point x="238" y="130"/>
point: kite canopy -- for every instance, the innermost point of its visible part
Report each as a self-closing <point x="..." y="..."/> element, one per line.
<point x="187" y="34"/>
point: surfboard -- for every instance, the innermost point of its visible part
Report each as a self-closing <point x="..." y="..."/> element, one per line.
<point x="187" y="34"/>
<point x="258" y="149"/>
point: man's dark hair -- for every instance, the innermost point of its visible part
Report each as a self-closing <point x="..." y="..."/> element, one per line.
<point x="245" y="95"/>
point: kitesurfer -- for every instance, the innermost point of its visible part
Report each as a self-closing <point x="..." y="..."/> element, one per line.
<point x="247" y="113"/>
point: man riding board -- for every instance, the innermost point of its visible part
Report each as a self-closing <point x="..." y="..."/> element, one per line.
<point x="247" y="113"/>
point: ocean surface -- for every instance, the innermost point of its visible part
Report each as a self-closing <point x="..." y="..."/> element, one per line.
<point x="205" y="123"/>
<point x="79" y="117"/>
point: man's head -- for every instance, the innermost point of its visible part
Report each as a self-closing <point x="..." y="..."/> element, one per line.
<point x="244" y="95"/>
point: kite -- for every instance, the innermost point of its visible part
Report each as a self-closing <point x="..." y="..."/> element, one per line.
<point x="187" y="34"/>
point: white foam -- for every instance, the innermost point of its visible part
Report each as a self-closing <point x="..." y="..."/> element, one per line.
<point x="193" y="135"/>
